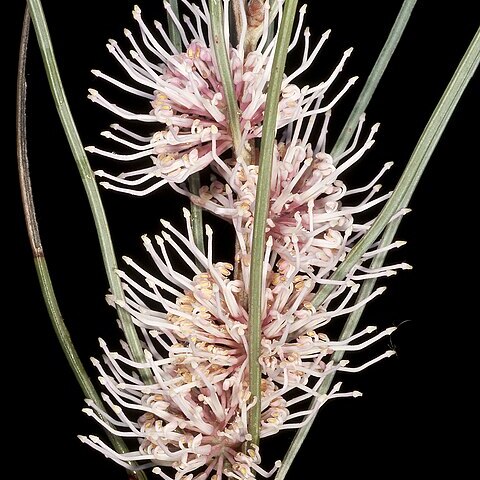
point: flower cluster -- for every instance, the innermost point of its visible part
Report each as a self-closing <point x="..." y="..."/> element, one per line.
<point x="185" y="98"/>
<point x="191" y="422"/>
<point x="308" y="221"/>
<point x="195" y="414"/>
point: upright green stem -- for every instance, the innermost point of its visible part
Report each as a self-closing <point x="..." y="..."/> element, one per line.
<point x="194" y="179"/>
<point x="196" y="212"/>
<point x="88" y="178"/>
<point x="419" y="159"/>
<point x="262" y="205"/>
<point x="40" y="262"/>
<point x="375" y="76"/>
<point x="223" y="63"/>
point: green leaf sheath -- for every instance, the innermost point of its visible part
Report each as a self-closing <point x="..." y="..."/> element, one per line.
<point x="88" y="178"/>
<point x="416" y="165"/>
<point x="262" y="204"/>
<point x="41" y="267"/>
<point x="374" y="78"/>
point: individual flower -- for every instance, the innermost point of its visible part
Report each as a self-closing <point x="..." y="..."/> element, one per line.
<point x="183" y="98"/>
<point x="191" y="423"/>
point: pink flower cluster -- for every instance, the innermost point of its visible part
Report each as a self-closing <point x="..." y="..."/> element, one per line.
<point x="191" y="423"/>
<point x="195" y="414"/>
<point x="186" y="98"/>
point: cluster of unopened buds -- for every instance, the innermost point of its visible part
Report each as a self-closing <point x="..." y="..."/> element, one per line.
<point x="191" y="422"/>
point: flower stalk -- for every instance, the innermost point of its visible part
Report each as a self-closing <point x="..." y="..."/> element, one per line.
<point x="262" y="205"/>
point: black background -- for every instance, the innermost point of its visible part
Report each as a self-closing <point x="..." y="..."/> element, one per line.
<point x="416" y="407"/>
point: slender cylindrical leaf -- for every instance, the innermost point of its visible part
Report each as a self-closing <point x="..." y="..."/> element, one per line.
<point x="87" y="176"/>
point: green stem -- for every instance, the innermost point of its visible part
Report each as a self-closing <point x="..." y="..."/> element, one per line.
<point x="262" y="203"/>
<point x="420" y="157"/>
<point x="88" y="178"/>
<point x="375" y="76"/>
<point x="61" y="331"/>
<point x="196" y="212"/>
<point x="223" y="63"/>
<point x="173" y="32"/>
